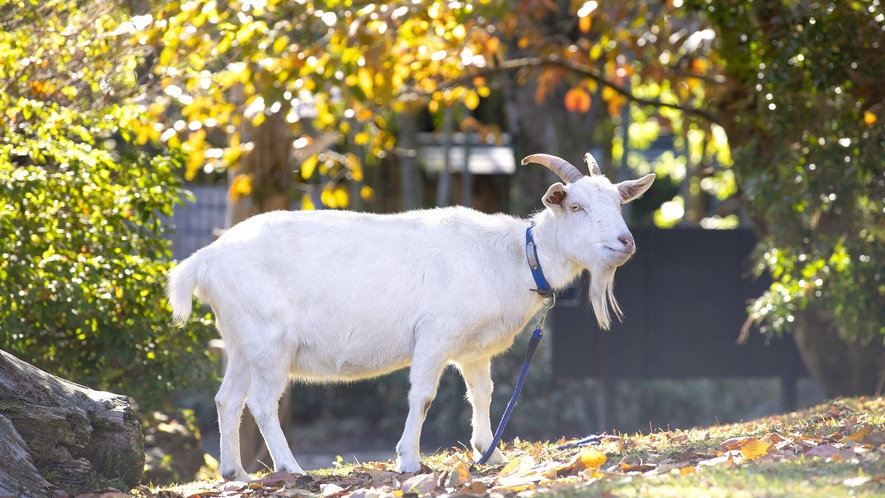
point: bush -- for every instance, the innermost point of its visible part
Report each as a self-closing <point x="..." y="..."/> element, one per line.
<point x="81" y="198"/>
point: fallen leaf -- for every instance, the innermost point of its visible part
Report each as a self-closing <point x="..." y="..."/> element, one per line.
<point x="727" y="460"/>
<point x="875" y="438"/>
<point x="511" y="467"/>
<point x="421" y="484"/>
<point x="592" y="474"/>
<point x="755" y="449"/>
<point x="275" y="480"/>
<point x="822" y="450"/>
<point x="736" y="443"/>
<point x="592" y="459"/>
<point x="105" y="493"/>
<point x="475" y="487"/>
<point x="380" y="475"/>
<point x="640" y="467"/>
<point x="364" y="493"/>
<point x="843" y="455"/>
<point x="859" y="435"/>
<point x="234" y="486"/>
<point x="573" y="466"/>
<point x="458" y="475"/>
<point x="330" y="489"/>
<point x="857" y="481"/>
<point x="772" y="437"/>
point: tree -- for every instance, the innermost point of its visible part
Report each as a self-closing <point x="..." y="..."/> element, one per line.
<point x="82" y="202"/>
<point x="804" y="107"/>
<point x="788" y="84"/>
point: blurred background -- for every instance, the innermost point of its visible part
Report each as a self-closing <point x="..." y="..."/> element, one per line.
<point x="134" y="132"/>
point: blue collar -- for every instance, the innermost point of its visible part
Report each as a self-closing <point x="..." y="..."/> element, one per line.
<point x="531" y="254"/>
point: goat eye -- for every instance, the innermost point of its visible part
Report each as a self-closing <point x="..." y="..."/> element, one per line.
<point x="576" y="207"/>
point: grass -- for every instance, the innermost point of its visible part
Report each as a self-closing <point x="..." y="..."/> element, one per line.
<point x="833" y="449"/>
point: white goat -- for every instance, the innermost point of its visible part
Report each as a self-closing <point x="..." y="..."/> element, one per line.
<point x="339" y="296"/>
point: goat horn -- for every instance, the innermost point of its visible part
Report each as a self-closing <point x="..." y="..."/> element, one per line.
<point x="592" y="164"/>
<point x="561" y="167"/>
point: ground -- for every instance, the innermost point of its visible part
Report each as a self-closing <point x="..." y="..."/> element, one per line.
<point x="833" y="449"/>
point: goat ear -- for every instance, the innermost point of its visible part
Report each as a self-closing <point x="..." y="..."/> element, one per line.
<point x="554" y="196"/>
<point x="633" y="189"/>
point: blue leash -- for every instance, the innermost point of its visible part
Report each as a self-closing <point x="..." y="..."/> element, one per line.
<point x="549" y="302"/>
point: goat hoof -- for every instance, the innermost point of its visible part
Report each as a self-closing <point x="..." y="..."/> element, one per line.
<point x="235" y="475"/>
<point x="404" y="465"/>
<point x="497" y="458"/>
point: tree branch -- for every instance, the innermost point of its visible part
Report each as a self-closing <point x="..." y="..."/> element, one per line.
<point x="582" y="69"/>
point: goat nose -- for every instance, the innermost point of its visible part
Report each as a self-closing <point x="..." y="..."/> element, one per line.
<point x="629" y="243"/>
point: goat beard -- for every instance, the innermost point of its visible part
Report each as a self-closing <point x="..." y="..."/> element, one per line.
<point x="601" y="295"/>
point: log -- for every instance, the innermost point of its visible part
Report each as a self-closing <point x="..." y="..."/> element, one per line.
<point x="58" y="438"/>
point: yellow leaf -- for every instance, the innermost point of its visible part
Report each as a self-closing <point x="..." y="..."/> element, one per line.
<point x="754" y="449"/>
<point x="118" y="292"/>
<point x="361" y="138"/>
<point x="307" y="166"/>
<point x="585" y="23"/>
<point x="859" y="435"/>
<point x="307" y="203"/>
<point x="471" y="100"/>
<point x="341" y="197"/>
<point x="366" y="192"/>
<point x="241" y="185"/>
<point x="684" y="471"/>
<point x="511" y="466"/>
<point x="280" y="44"/>
<point x="366" y="82"/>
<point x="327" y="197"/>
<point x="869" y="118"/>
<point x="592" y="459"/>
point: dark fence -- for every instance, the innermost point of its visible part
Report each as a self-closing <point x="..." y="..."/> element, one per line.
<point x="684" y="296"/>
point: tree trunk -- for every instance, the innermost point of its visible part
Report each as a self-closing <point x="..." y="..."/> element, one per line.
<point x="546" y="127"/>
<point x="840" y="367"/>
<point x="58" y="437"/>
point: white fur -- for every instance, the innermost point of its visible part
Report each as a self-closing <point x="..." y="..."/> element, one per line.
<point x="339" y="296"/>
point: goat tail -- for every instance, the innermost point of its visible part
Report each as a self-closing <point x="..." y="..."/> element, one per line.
<point x="180" y="288"/>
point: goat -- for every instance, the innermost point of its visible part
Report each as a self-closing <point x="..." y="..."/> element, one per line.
<point x="338" y="296"/>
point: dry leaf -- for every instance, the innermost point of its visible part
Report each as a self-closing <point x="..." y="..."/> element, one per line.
<point x="822" y="450"/>
<point x="380" y="475"/>
<point x="859" y="435"/>
<point x="476" y="487"/>
<point x="754" y="449"/>
<point x="421" y="484"/>
<point x="875" y="438"/>
<point x="684" y="471"/>
<point x="736" y="443"/>
<point x="275" y="480"/>
<point x="511" y="467"/>
<point x="458" y="475"/>
<point x="640" y="467"/>
<point x="330" y="489"/>
<point x="592" y="459"/>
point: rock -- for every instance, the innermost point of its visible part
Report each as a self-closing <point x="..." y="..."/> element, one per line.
<point x="58" y="438"/>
